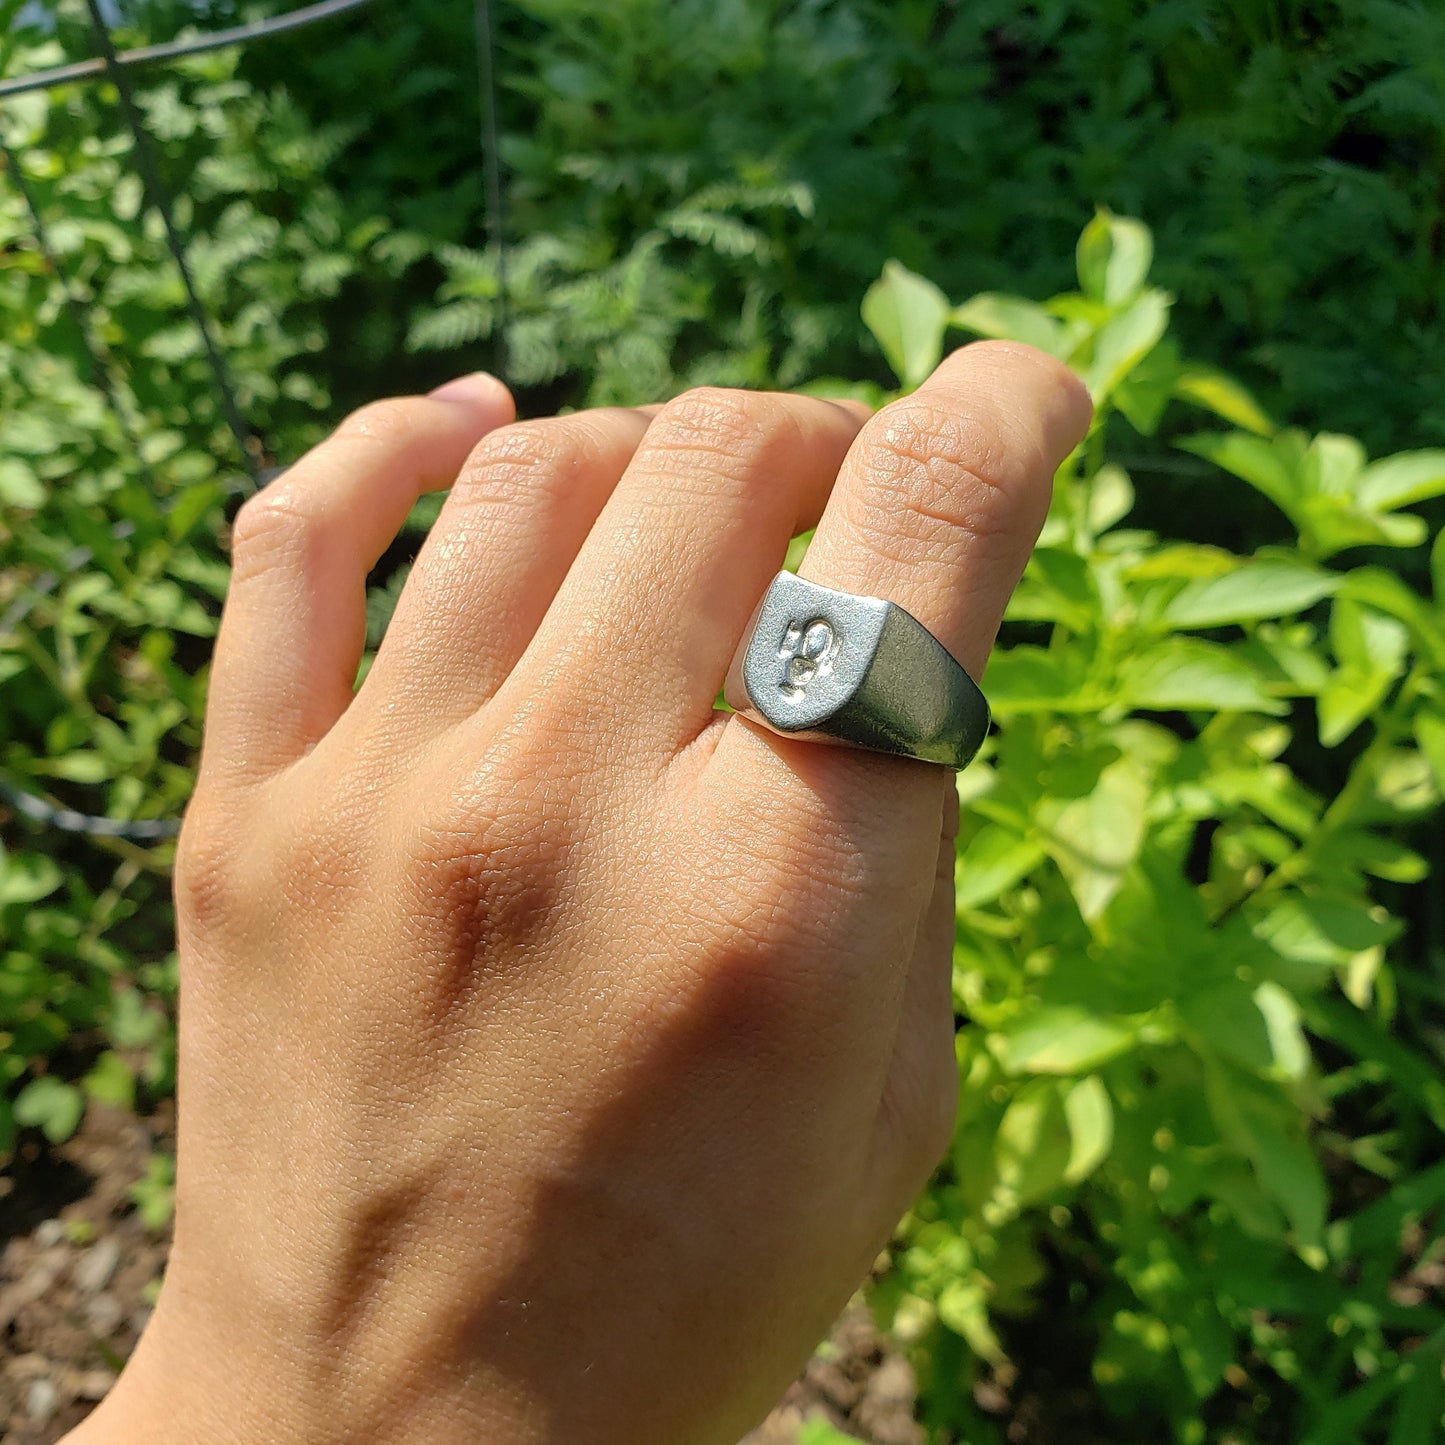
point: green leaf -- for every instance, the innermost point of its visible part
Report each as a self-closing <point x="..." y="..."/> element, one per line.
<point x="1123" y="342"/>
<point x="1330" y="524"/>
<point x="1143" y="396"/>
<point x="78" y="768"/>
<point x="134" y="1024"/>
<point x="963" y="1308"/>
<point x="19" y="486"/>
<point x="1289" y="1050"/>
<point x="1267" y="587"/>
<point x="1056" y="587"/>
<point x="1265" y="1127"/>
<point x="1258" y="1029"/>
<point x="51" y="1105"/>
<point x="994" y="861"/>
<point x="154" y="1194"/>
<point x="1113" y="256"/>
<point x="191" y="506"/>
<point x="1226" y="398"/>
<point x="1364" y="640"/>
<point x="1371" y="648"/>
<point x="26" y="877"/>
<point x="907" y="314"/>
<point x="111" y="1081"/>
<point x="1332" y="466"/>
<point x="1185" y="674"/>
<point x="1090" y="1116"/>
<point x="1265" y="465"/>
<point x="1009" y="318"/>
<point x="817" y="1431"/>
<point x="1064" y="1039"/>
<point x="1028" y="679"/>
<point x="1031" y="1149"/>
<point x="1111" y="498"/>
<point x="1422" y="1398"/>
<point x="1387" y="593"/>
<point x="1430" y="735"/>
<point x="1322" y="929"/>
<point x="1402" y="480"/>
<point x="1095" y="838"/>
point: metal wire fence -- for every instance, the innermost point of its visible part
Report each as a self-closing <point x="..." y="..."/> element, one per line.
<point x="106" y="369"/>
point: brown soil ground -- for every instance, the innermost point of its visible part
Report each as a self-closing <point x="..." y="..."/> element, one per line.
<point x="78" y="1272"/>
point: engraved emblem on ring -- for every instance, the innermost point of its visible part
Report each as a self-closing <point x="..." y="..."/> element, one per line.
<point x="807" y="653"/>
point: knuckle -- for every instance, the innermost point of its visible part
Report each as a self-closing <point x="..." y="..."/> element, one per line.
<point x="270" y="526"/>
<point x="920" y="1110"/>
<point x="203" y="876"/>
<point x="208" y="886"/>
<point x="382" y="421"/>
<point x="486" y="880"/>
<point x="762" y="940"/>
<point x="490" y="861"/>
<point x="725" y="440"/>
<point x="711" y="410"/>
<point x="723" y="422"/>
<point x="518" y="458"/>
<point x="928" y="466"/>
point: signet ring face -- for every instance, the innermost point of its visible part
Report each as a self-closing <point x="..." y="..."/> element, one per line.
<point x="837" y="667"/>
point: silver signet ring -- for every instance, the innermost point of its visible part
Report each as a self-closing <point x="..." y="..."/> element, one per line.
<point x="834" y="667"/>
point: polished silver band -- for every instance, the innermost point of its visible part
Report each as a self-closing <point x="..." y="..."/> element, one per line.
<point x="834" y="667"/>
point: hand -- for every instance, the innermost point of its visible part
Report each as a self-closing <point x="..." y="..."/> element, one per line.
<point x="556" y="1052"/>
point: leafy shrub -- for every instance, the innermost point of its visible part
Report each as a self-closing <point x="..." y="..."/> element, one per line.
<point x="1196" y="1175"/>
<point x="703" y="189"/>
<point x="111" y="563"/>
<point x="1195" y="1103"/>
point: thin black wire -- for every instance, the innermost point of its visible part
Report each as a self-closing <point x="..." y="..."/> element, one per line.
<point x="160" y="200"/>
<point x="103" y="373"/>
<point x="32" y="805"/>
<point x="237" y="35"/>
<point x="492" y="170"/>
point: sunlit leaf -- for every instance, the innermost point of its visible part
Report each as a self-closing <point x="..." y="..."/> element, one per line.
<point x="1402" y="480"/>
<point x="907" y="315"/>
<point x="52" y="1106"/>
<point x="1009" y="318"/>
<point x="1184" y="674"/>
<point x="1063" y="1040"/>
<point x="1266" y="587"/>
<point x="1090" y="1115"/>
<point x="992" y="863"/>
<point x="1224" y="396"/>
<point x="1323" y="930"/>
<point x="1093" y="839"/>
<point x="1114" y="255"/>
<point x="1268" y="465"/>
<point x="1124" y="340"/>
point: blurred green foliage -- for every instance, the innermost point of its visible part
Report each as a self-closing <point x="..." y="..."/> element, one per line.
<point x="111" y="558"/>
<point x="1197" y="1189"/>
<point x="1201" y="1097"/>
<point x="704" y="186"/>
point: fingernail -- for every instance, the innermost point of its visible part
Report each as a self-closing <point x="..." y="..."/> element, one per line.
<point x="467" y="388"/>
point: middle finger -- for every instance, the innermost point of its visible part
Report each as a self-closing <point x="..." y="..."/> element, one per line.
<point x="644" y="626"/>
<point x="491" y="565"/>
